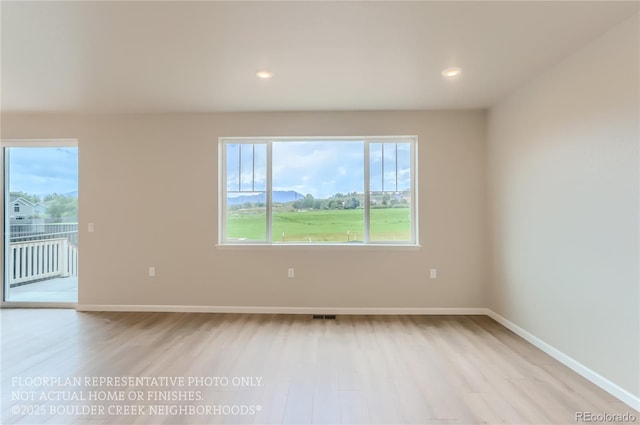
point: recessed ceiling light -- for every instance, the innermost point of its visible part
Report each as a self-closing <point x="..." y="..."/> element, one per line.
<point x="265" y="75"/>
<point x="451" y="72"/>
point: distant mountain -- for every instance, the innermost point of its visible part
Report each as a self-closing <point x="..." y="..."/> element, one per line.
<point x="285" y="196"/>
<point x="238" y="200"/>
<point x="280" y="196"/>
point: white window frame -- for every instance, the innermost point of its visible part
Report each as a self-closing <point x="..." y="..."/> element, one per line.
<point x="268" y="141"/>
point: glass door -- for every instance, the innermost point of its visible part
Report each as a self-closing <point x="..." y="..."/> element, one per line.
<point x="40" y="222"/>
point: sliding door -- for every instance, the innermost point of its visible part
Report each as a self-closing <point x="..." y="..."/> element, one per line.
<point x="40" y="222"/>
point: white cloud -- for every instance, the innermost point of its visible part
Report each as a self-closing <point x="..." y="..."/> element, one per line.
<point x="308" y="167"/>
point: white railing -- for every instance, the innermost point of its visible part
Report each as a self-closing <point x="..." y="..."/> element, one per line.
<point x="43" y="259"/>
<point x="38" y="230"/>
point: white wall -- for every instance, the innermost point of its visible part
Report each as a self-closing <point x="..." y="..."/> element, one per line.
<point x="564" y="197"/>
<point x="137" y="171"/>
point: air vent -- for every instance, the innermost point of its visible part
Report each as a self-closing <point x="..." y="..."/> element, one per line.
<point x="324" y="316"/>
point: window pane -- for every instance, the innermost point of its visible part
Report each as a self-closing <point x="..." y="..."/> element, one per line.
<point x="390" y="196"/>
<point x="41" y="233"/>
<point x="246" y="192"/>
<point x="375" y="167"/>
<point x="318" y="192"/>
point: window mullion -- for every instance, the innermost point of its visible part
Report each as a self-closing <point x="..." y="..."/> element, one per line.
<point x="239" y="167"/>
<point x="396" y="167"/>
<point x="269" y="194"/>
<point x="222" y="189"/>
<point x="367" y="191"/>
<point x="382" y="172"/>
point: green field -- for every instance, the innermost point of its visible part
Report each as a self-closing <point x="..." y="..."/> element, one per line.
<point x="320" y="225"/>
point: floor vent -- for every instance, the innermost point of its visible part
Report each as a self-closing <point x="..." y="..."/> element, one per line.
<point x="324" y="316"/>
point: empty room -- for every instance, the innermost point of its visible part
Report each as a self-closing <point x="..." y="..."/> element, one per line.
<point x="320" y="212"/>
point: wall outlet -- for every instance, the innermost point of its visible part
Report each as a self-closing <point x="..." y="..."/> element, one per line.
<point x="433" y="274"/>
<point x="91" y="227"/>
<point x="291" y="273"/>
<point x="152" y="271"/>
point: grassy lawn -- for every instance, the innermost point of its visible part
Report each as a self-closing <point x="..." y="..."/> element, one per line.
<point x="320" y="225"/>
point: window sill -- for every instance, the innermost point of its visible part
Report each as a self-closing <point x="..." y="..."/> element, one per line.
<point x="297" y="247"/>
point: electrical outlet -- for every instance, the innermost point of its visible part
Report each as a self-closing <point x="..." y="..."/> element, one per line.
<point x="152" y="271"/>
<point x="433" y="273"/>
<point x="291" y="273"/>
<point x="91" y="227"/>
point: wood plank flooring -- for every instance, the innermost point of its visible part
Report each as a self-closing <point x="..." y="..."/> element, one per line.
<point x="283" y="369"/>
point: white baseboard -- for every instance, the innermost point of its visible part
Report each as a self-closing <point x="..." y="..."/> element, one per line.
<point x="599" y="380"/>
<point x="282" y="310"/>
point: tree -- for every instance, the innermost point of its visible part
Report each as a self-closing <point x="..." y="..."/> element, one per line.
<point x="59" y="206"/>
<point x="307" y="202"/>
<point x="351" y="204"/>
<point x="354" y="203"/>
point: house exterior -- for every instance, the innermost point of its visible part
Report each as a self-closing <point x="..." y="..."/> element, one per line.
<point x="23" y="209"/>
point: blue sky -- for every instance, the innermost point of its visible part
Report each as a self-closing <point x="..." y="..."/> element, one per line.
<point x="319" y="168"/>
<point x="41" y="171"/>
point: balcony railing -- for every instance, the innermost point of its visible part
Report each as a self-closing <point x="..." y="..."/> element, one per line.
<point x="38" y="253"/>
<point x="38" y="230"/>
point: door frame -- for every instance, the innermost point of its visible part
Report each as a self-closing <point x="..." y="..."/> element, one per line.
<point x="4" y="192"/>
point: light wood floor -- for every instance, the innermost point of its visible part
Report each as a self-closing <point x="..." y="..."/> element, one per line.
<point x="354" y="370"/>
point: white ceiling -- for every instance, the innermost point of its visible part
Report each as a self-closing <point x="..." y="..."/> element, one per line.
<point x="203" y="56"/>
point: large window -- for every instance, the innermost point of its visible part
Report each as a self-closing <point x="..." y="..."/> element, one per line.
<point x="318" y="191"/>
